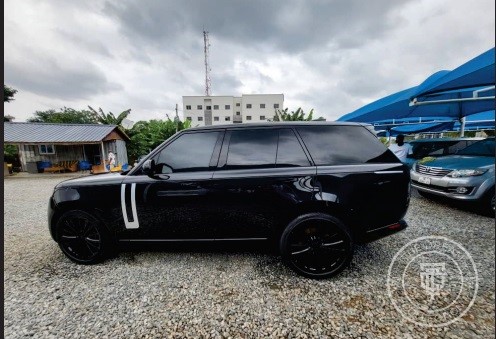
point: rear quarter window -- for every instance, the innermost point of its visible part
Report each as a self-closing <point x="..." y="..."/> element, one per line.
<point x="344" y="145"/>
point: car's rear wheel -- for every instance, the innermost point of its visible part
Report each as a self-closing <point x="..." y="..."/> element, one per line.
<point x="317" y="245"/>
<point x="83" y="238"/>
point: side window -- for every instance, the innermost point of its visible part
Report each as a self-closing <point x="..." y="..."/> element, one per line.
<point x="289" y="151"/>
<point x="344" y="145"/>
<point x="189" y="152"/>
<point x="255" y="148"/>
<point x="457" y="146"/>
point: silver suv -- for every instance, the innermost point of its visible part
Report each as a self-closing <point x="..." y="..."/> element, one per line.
<point x="467" y="176"/>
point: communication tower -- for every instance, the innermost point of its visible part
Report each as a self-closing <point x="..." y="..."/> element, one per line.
<point x="207" y="63"/>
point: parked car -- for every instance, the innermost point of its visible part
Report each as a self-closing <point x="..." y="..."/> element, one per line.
<point x="437" y="147"/>
<point x="314" y="189"/>
<point x="466" y="176"/>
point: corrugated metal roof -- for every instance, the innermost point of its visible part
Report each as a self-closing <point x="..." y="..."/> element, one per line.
<point x="31" y="132"/>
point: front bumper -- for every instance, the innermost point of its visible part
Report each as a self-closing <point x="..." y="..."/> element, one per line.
<point x="446" y="186"/>
<point x="50" y="215"/>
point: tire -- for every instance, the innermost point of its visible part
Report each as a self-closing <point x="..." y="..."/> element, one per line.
<point x="83" y="238"/>
<point x="316" y="245"/>
<point x="487" y="206"/>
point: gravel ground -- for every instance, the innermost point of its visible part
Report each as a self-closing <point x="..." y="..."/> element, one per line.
<point x="219" y="292"/>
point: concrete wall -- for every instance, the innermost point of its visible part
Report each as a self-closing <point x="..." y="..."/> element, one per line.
<point x="230" y="109"/>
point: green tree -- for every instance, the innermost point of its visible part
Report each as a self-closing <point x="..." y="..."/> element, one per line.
<point x="146" y="135"/>
<point x="8" y="93"/>
<point x="110" y="118"/>
<point x="298" y="115"/>
<point x="65" y="116"/>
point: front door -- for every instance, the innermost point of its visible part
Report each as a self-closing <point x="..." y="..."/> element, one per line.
<point x="174" y="203"/>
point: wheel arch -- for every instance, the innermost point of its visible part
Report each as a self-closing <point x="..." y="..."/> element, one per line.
<point x="325" y="207"/>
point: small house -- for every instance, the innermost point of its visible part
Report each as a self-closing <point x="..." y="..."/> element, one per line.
<point x="56" y="143"/>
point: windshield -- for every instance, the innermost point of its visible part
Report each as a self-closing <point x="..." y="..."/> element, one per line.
<point x="481" y="148"/>
<point x="436" y="148"/>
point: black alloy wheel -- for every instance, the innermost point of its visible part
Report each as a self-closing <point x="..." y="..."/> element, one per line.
<point x="82" y="237"/>
<point x="317" y="245"/>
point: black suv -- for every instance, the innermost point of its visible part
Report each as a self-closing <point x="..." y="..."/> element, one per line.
<point x="314" y="189"/>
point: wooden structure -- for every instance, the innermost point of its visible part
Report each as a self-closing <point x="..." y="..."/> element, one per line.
<point x="64" y="145"/>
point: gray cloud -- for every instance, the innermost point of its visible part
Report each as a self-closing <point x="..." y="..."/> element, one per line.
<point x="84" y="44"/>
<point x="57" y="81"/>
<point x="291" y="26"/>
<point x="334" y="56"/>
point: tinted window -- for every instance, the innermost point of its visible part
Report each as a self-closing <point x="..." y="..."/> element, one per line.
<point x="480" y="148"/>
<point x="289" y="151"/>
<point x="190" y="152"/>
<point x="254" y="148"/>
<point x="452" y="149"/>
<point x="342" y="145"/>
<point x="437" y="148"/>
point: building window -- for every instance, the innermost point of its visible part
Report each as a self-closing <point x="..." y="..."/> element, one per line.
<point x="248" y="105"/>
<point x="262" y="117"/>
<point x="238" y="104"/>
<point x="228" y="106"/>
<point x="189" y="118"/>
<point x="200" y="118"/>
<point x="216" y="118"/>
<point x="248" y="117"/>
<point x="47" y="149"/>
<point x="216" y="106"/>
<point x="188" y="106"/>
<point x="199" y="107"/>
<point x="209" y="107"/>
<point x="276" y="105"/>
<point x="262" y="105"/>
<point x="227" y="118"/>
<point x="238" y="113"/>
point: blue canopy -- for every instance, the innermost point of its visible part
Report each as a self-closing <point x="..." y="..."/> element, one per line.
<point x="480" y="121"/>
<point x="455" y="85"/>
<point x="417" y="128"/>
<point x="477" y="72"/>
<point x="394" y="106"/>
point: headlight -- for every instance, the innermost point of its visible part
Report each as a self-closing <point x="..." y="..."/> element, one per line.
<point x="466" y="173"/>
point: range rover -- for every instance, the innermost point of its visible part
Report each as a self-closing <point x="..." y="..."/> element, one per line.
<point x="312" y="189"/>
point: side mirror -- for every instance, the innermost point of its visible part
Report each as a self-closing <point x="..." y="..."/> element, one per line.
<point x="148" y="167"/>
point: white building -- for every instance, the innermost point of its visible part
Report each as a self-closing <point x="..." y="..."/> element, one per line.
<point x="219" y="110"/>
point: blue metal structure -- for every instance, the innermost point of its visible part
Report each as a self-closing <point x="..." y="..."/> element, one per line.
<point x="445" y="95"/>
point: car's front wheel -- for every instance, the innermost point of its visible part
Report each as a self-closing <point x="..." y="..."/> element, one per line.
<point x="83" y="238"/>
<point x="487" y="205"/>
<point x="317" y="245"/>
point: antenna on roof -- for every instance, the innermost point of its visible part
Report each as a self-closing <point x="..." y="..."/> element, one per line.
<point x="206" y="47"/>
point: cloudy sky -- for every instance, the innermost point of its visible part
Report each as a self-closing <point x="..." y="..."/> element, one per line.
<point x="333" y="56"/>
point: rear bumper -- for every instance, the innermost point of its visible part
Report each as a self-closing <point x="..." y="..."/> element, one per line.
<point x="384" y="231"/>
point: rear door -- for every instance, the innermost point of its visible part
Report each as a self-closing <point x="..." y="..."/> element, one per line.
<point x="263" y="173"/>
<point x="357" y="174"/>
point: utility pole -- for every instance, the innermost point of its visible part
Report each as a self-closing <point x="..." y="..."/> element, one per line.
<point x="206" y="49"/>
